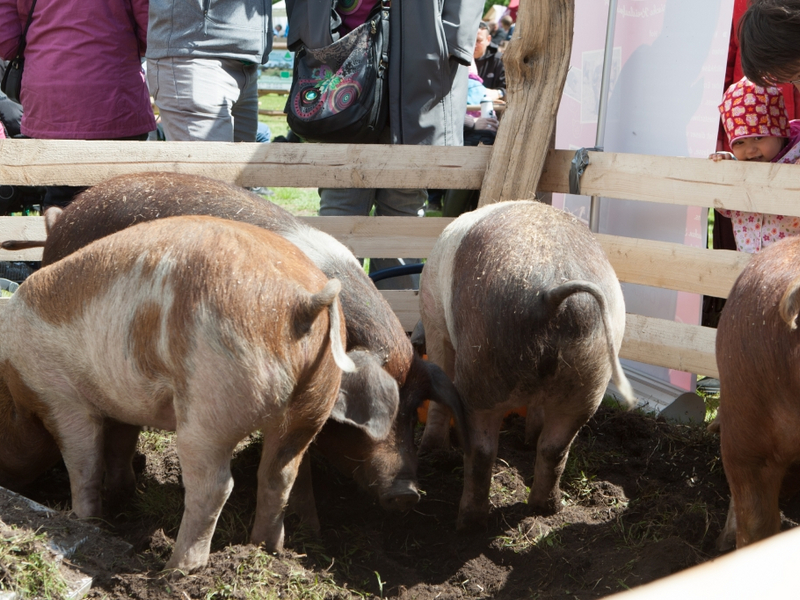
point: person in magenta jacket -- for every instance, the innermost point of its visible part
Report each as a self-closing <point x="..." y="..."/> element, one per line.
<point x="83" y="75"/>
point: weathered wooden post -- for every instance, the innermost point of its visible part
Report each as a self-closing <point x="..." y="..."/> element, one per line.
<point x="536" y="61"/>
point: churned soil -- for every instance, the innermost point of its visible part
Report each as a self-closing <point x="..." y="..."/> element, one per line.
<point x="643" y="498"/>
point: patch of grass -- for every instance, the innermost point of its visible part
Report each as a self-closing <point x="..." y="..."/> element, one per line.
<point x="27" y="567"/>
<point x="582" y="487"/>
<point x="662" y="521"/>
<point x="301" y="202"/>
<point x="506" y="485"/>
<point x="152" y="440"/>
<point x="277" y="124"/>
<point x="525" y="537"/>
<point x="263" y="576"/>
<point x="711" y="399"/>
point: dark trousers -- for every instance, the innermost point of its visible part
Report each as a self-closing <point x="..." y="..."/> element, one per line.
<point x="723" y="239"/>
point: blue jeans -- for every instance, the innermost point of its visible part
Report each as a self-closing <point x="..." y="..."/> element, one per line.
<point x="387" y="203"/>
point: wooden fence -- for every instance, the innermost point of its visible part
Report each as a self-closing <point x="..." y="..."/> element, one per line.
<point x="517" y="166"/>
<point x="770" y="188"/>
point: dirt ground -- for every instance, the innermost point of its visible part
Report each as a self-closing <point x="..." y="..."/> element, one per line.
<point x="643" y="498"/>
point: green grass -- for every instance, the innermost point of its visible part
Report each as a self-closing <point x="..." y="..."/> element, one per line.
<point x="27" y="569"/>
<point x="711" y="400"/>
<point x="277" y="124"/>
<point x="261" y="576"/>
<point x="298" y="201"/>
<point x="301" y="202"/>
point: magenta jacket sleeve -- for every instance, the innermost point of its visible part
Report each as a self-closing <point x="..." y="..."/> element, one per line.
<point x="10" y="28"/>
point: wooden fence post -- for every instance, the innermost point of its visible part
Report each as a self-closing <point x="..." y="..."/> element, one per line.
<point x="536" y="61"/>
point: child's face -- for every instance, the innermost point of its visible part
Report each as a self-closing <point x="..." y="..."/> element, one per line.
<point x="759" y="149"/>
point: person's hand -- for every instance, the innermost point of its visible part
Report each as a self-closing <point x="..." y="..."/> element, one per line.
<point x="492" y="94"/>
<point x="718" y="156"/>
<point x="486" y="124"/>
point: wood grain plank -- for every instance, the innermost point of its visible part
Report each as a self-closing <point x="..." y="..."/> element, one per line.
<point x="674" y="266"/>
<point x="645" y="262"/>
<point x="747" y="186"/>
<point x="383" y="237"/>
<point x="669" y="344"/>
<point x="77" y="162"/>
<point x="21" y="228"/>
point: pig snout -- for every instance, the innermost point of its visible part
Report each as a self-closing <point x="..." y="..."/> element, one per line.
<point x="401" y="496"/>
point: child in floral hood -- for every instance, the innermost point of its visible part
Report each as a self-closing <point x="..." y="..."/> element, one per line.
<point x="758" y="129"/>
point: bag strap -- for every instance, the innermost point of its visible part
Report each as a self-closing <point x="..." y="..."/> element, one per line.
<point x="22" y="41"/>
<point x="384" y="7"/>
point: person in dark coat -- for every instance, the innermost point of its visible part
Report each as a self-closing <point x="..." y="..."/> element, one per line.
<point x="431" y="45"/>
<point x="489" y="61"/>
<point x="503" y="33"/>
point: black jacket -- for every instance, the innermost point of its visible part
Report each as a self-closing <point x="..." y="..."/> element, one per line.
<point x="491" y="69"/>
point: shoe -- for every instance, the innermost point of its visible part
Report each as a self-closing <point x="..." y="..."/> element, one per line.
<point x="708" y="384"/>
<point x="262" y="191"/>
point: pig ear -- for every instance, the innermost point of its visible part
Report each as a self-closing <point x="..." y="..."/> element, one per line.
<point x="51" y="215"/>
<point x="368" y="398"/>
<point x="442" y="390"/>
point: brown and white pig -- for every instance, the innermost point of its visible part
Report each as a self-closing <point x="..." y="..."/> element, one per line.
<point x="370" y="433"/>
<point x="521" y="307"/>
<point x="758" y="355"/>
<point x="207" y="327"/>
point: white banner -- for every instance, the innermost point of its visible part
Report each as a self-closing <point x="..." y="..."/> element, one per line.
<point x="667" y="76"/>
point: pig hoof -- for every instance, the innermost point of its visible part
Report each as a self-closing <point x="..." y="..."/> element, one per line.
<point x="726" y="541"/>
<point x="271" y="541"/>
<point x="174" y="569"/>
<point x="470" y="523"/>
<point x="544" y="508"/>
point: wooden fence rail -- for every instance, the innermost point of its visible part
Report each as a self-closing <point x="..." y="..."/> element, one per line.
<point x="682" y="181"/>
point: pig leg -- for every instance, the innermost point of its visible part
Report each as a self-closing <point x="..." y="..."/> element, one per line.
<point x="552" y="449"/>
<point x="437" y="424"/>
<point x="301" y="500"/>
<point x="207" y="479"/>
<point x="534" y="422"/>
<point x="280" y="460"/>
<point x="484" y="432"/>
<point x="727" y="539"/>
<point x="119" y="447"/>
<point x="755" y="489"/>
<point x="81" y="442"/>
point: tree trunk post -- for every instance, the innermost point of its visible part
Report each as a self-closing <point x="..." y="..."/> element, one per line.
<point x="536" y="62"/>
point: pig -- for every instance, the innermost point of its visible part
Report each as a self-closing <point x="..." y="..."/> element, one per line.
<point x="521" y="307"/>
<point x="208" y="327"/>
<point x="370" y="433"/>
<point x="758" y="356"/>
